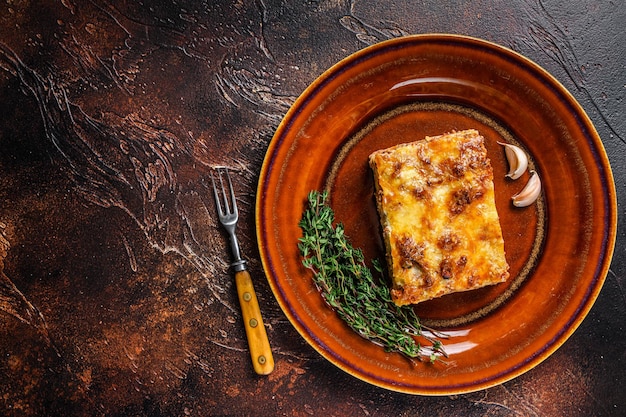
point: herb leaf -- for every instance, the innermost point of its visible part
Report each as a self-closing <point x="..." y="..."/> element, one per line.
<point x="349" y="288"/>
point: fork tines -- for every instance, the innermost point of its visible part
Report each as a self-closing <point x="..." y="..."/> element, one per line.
<point x="226" y="210"/>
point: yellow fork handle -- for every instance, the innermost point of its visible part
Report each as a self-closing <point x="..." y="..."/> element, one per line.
<point x="258" y="343"/>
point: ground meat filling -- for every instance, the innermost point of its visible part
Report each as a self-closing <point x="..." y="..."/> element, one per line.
<point x="410" y="252"/>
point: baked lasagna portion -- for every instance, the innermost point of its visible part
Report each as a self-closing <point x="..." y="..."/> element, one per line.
<point x="436" y="204"/>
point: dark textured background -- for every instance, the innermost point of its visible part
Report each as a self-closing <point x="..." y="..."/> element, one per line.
<point x="115" y="298"/>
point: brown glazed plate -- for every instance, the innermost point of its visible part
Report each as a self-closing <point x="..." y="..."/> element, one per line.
<point x="558" y="249"/>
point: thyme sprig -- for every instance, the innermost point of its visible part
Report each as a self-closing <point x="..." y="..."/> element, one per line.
<point x="349" y="287"/>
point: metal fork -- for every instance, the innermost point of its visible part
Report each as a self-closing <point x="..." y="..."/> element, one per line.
<point x="260" y="351"/>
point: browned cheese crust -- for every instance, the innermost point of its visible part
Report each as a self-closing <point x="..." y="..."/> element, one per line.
<point x="436" y="203"/>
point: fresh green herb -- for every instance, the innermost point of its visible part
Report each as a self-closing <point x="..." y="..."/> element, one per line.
<point x="348" y="286"/>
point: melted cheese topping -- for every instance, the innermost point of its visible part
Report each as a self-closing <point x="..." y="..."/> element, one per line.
<point x="440" y="225"/>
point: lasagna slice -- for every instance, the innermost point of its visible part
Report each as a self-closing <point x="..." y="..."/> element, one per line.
<point x="435" y="199"/>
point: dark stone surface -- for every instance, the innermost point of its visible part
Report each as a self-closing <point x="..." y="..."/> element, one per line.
<point x="115" y="297"/>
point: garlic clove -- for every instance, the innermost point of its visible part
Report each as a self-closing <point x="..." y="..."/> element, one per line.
<point x="518" y="161"/>
<point x="529" y="193"/>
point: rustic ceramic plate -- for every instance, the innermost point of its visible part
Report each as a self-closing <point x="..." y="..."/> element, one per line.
<point x="401" y="90"/>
